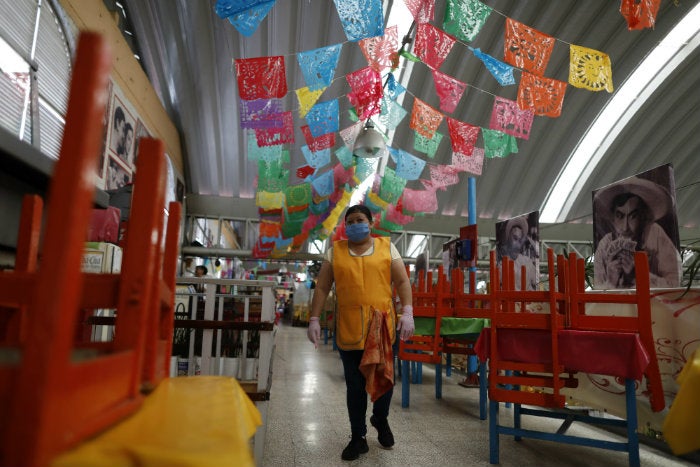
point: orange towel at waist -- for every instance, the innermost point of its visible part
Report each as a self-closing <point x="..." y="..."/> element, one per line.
<point x="377" y="363"/>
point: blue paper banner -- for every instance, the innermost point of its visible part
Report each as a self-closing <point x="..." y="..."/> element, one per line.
<point x="318" y="66"/>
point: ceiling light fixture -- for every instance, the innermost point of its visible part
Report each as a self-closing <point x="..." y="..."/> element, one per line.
<point x="369" y="143"/>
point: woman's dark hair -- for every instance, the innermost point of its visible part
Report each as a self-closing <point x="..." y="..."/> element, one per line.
<point x="359" y="208"/>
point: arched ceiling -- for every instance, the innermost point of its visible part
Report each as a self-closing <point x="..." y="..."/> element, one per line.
<point x="188" y="53"/>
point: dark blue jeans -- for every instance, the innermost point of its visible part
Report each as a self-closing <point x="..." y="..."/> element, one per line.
<point x="357" y="396"/>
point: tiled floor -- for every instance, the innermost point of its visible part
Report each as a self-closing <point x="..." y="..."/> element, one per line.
<point x="308" y="425"/>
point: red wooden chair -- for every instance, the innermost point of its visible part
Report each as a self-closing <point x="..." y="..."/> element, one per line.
<point x="58" y="390"/>
<point x="511" y="371"/>
<point x="639" y="323"/>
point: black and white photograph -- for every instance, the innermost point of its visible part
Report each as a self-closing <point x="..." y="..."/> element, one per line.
<point x="122" y="132"/>
<point x="518" y="239"/>
<point x="117" y="175"/>
<point x="637" y="214"/>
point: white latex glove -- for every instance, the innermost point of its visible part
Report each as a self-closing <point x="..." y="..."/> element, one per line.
<point x="314" y="331"/>
<point x="406" y="325"/>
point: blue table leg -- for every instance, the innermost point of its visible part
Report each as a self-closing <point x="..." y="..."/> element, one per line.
<point x="517" y="420"/>
<point x="493" y="432"/>
<point x="632" y="436"/>
<point x="420" y="373"/>
<point x="448" y="365"/>
<point x="438" y="381"/>
<point x="405" y="385"/>
<point x="325" y="336"/>
<point x="483" y="388"/>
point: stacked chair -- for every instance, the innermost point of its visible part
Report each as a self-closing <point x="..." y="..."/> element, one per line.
<point x="533" y="356"/>
<point x="441" y="301"/>
<point x="56" y="389"/>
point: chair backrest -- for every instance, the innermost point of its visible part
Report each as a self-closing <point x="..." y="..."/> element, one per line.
<point x="61" y="391"/>
<point x="428" y="299"/>
<point x="636" y="318"/>
<point x="532" y="360"/>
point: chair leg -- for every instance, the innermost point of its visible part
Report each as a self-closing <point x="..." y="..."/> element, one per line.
<point x="632" y="436"/>
<point x="493" y="432"/>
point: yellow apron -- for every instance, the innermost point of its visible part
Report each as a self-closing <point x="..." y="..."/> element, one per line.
<point x="362" y="283"/>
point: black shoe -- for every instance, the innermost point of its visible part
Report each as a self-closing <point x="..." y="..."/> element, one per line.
<point x="385" y="438"/>
<point x="357" y="446"/>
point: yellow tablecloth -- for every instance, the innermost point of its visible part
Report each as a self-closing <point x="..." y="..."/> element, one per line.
<point x="189" y="421"/>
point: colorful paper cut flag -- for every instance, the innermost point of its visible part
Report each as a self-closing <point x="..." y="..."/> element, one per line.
<point x="391" y="114"/>
<point x="378" y="50"/>
<point x="344" y="155"/>
<point x="307" y="99"/>
<point x="360" y="18"/>
<point x="507" y="117"/>
<point x="394" y="88"/>
<point x="526" y="48"/>
<point x="316" y="144"/>
<point x="391" y="187"/>
<point x="432" y="45"/>
<point x="316" y="159"/>
<point x="260" y="113"/>
<point x="472" y="164"/>
<point x="423" y="11"/>
<point x="427" y="145"/>
<point x="323" y="184"/>
<point x="323" y="118"/>
<point x="462" y="135"/>
<point x="349" y="134"/>
<point x="498" y="144"/>
<point x="247" y="22"/>
<point x="271" y="153"/>
<point x="589" y="69"/>
<point x="499" y="70"/>
<point x="367" y="91"/>
<point x="278" y="135"/>
<point x="226" y="8"/>
<point x="420" y="201"/>
<point x="544" y="96"/>
<point x="639" y="14"/>
<point x="318" y="65"/>
<point x="298" y="195"/>
<point x="424" y="119"/>
<point x="442" y="176"/>
<point x="465" y="18"/>
<point x="449" y="90"/>
<point x="261" y="77"/>
<point x="408" y="166"/>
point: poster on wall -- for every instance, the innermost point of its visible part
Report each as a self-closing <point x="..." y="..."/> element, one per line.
<point x="636" y="214"/>
<point x="518" y="238"/>
<point x="105" y="128"/>
<point x="117" y="174"/>
<point x="141" y="132"/>
<point x="122" y="131"/>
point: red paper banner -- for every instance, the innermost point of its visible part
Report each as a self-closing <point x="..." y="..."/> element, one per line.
<point x="367" y="91"/>
<point x="432" y="45"/>
<point x="462" y="136"/>
<point x="449" y="90"/>
<point x="640" y="14"/>
<point x="316" y="144"/>
<point x="261" y="78"/>
<point x="423" y="11"/>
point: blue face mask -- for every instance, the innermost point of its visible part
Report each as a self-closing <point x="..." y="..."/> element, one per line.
<point x="357" y="232"/>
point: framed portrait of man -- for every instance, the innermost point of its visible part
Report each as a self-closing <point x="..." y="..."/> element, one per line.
<point x="518" y="239"/>
<point x="637" y="213"/>
<point x="117" y="175"/>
